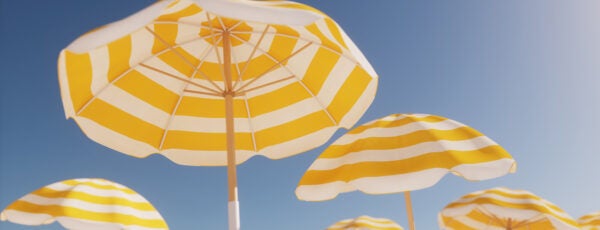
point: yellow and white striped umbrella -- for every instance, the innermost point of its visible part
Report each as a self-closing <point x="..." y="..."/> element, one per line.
<point x="590" y="221"/>
<point x="401" y="153"/>
<point x="85" y="204"/>
<point x="365" y="223"/>
<point x="503" y="208"/>
<point x="215" y="82"/>
<point x="155" y="82"/>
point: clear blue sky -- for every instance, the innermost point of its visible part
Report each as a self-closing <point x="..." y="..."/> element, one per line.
<point x="525" y="73"/>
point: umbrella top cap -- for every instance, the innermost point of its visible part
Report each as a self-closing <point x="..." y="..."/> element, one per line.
<point x="269" y="12"/>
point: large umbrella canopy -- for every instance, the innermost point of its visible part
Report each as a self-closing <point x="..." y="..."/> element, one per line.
<point x="85" y="204"/>
<point x="590" y="221"/>
<point x="365" y="223"/>
<point x="503" y="208"/>
<point x="155" y="82"/>
<point x="215" y="82"/>
<point x="400" y="153"/>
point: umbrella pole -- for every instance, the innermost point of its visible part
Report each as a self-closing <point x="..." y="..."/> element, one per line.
<point x="233" y="204"/>
<point x="409" y="212"/>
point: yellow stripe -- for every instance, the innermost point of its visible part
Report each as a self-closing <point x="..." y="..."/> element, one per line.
<point x="349" y="93"/>
<point x="122" y="122"/>
<point x="397" y="123"/>
<point x="446" y="159"/>
<point x="527" y="206"/>
<point x="58" y="211"/>
<point x="92" y="183"/>
<point x="119" y="52"/>
<point x="188" y="11"/>
<point x="79" y="75"/>
<point x="90" y="198"/>
<point x="168" y="34"/>
<point x="293" y="5"/>
<point x="292" y="130"/>
<point x="522" y="196"/>
<point x="455" y="224"/>
<point x="176" y="139"/>
<point x="175" y="60"/>
<point x="149" y="91"/>
<point x="335" y="31"/>
<point x="210" y="108"/>
<point x="277" y="99"/>
<point x="319" y="69"/>
<point x="386" y="143"/>
<point x="325" y="41"/>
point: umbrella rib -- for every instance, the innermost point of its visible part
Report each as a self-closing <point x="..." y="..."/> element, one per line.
<point x="265" y="85"/>
<point x="169" y="46"/>
<point x="250" y="124"/>
<point x="215" y="46"/>
<point x="87" y="103"/>
<point x="162" y="139"/>
<point x="307" y="40"/>
<point x="251" y="54"/>
<point x="297" y="80"/>
<point x="278" y="63"/>
<point x="185" y="88"/>
<point x="172" y="48"/>
<point x="215" y="93"/>
<point x="197" y="69"/>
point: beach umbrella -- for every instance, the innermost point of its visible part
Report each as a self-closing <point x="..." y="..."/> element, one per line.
<point x="402" y="153"/>
<point x="503" y="208"/>
<point x="365" y="223"/>
<point x="215" y="82"/>
<point x="590" y="221"/>
<point x="85" y="204"/>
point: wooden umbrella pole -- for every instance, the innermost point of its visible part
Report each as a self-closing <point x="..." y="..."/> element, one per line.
<point x="409" y="212"/>
<point x="233" y="204"/>
<point x="509" y="224"/>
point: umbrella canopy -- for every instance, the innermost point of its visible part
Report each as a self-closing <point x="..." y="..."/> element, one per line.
<point x="503" y="208"/>
<point x="156" y="82"/>
<point x="401" y="153"/>
<point x="85" y="204"/>
<point x="215" y="82"/>
<point x="590" y="221"/>
<point x="365" y="223"/>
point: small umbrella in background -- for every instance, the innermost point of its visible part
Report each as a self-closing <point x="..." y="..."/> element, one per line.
<point x="590" y="221"/>
<point x="402" y="153"/>
<point x="503" y="208"/>
<point x="215" y="82"/>
<point x="85" y="204"/>
<point x="365" y="223"/>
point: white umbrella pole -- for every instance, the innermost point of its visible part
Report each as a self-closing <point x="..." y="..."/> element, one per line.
<point x="409" y="212"/>
<point x="233" y="204"/>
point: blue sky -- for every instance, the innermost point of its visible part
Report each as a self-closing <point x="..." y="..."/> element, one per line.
<point x="525" y="73"/>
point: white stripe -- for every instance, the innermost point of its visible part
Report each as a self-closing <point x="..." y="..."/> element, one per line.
<point x="205" y="158"/>
<point x="65" y="92"/>
<point x="98" y="192"/>
<point x="114" y="140"/>
<point x="134" y="106"/>
<point x="401" y="153"/>
<point x="360" y="106"/>
<point x="87" y="206"/>
<point x="142" y="42"/>
<point x="400" y="130"/>
<point x="73" y="223"/>
<point x="394" y="183"/>
<point x="336" y="78"/>
<point x="170" y="83"/>
<point x="298" y="145"/>
<point x="100" y="64"/>
<point x="26" y="218"/>
<point x="506" y="212"/>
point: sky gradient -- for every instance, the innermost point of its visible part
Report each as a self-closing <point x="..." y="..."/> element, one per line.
<point x="525" y="73"/>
